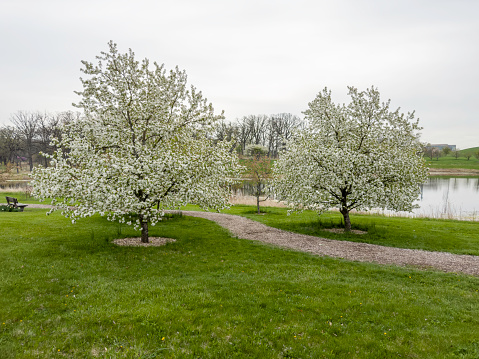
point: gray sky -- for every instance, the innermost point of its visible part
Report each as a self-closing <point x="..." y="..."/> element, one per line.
<point x="257" y="56"/>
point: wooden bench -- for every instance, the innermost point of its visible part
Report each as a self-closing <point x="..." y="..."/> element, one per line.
<point x="13" y="202"/>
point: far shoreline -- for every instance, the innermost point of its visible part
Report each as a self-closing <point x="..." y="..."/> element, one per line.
<point x="453" y="172"/>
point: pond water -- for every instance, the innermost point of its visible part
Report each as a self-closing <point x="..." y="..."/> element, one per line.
<point x="441" y="197"/>
<point x="449" y="198"/>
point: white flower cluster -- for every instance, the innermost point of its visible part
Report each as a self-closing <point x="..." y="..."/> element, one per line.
<point x="141" y="148"/>
<point x="355" y="156"/>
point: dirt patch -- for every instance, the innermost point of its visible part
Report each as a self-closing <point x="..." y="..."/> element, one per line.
<point x="136" y="242"/>
<point x="341" y="230"/>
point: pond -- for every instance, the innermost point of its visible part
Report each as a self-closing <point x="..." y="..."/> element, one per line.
<point x="441" y="197"/>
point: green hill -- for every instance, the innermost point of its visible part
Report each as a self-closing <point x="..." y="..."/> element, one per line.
<point x="451" y="161"/>
<point x="472" y="149"/>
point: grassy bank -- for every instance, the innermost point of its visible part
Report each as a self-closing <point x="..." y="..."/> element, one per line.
<point x="67" y="291"/>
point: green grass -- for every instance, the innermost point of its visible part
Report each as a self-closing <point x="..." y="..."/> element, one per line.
<point x="472" y="150"/>
<point x="67" y="291"/>
<point x="451" y="162"/>
<point x="460" y="237"/>
<point x="22" y="197"/>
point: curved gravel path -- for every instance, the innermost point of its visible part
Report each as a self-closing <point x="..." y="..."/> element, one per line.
<point x="363" y="252"/>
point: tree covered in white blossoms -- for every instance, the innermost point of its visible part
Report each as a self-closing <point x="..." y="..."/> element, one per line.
<point x="355" y="156"/>
<point x="141" y="147"/>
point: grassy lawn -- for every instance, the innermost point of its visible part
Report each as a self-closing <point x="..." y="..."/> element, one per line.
<point x="460" y="237"/>
<point x="22" y="197"/>
<point x="451" y="162"/>
<point x="67" y="291"/>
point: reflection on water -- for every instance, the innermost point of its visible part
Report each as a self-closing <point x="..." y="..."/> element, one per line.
<point x="440" y="198"/>
<point x="449" y="198"/>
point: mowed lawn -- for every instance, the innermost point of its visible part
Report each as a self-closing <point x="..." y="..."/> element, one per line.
<point x="67" y="291"/>
<point x="452" y="162"/>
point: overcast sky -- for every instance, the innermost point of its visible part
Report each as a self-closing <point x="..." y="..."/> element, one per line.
<point x="257" y="56"/>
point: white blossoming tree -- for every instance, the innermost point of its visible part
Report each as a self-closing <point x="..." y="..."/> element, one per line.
<point x="142" y="146"/>
<point x="355" y="156"/>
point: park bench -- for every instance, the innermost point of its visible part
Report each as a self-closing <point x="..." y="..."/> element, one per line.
<point x="13" y="202"/>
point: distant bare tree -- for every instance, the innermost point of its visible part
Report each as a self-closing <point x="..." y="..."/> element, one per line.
<point x="258" y="127"/>
<point x="243" y="133"/>
<point x="10" y="145"/>
<point x="281" y="129"/>
<point x="26" y="125"/>
<point x="226" y="132"/>
<point x="48" y="126"/>
<point x="271" y="132"/>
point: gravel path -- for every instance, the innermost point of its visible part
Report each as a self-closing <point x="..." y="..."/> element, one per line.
<point x="363" y="252"/>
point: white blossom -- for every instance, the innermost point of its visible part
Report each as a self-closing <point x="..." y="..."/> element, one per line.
<point x="141" y="147"/>
<point x="355" y="156"/>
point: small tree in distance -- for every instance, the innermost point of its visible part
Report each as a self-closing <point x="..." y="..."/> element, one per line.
<point x="446" y="150"/>
<point x="456" y="153"/>
<point x="259" y="171"/>
<point x="355" y="156"/>
<point x="429" y="151"/>
<point x="142" y="146"/>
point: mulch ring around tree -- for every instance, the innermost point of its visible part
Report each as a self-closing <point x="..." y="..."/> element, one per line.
<point x="136" y="242"/>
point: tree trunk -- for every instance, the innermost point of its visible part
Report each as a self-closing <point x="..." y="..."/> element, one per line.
<point x="258" y="193"/>
<point x="144" y="230"/>
<point x="347" y="221"/>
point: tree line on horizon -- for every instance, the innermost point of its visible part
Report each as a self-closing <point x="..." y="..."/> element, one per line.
<point x="30" y="133"/>
<point x="271" y="132"/>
